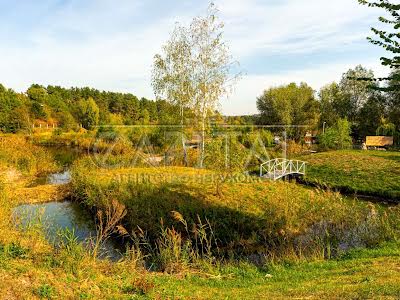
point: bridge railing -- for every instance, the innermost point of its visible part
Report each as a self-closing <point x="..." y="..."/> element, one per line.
<point x="281" y="167"/>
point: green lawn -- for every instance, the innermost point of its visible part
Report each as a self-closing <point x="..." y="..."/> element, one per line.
<point x="375" y="173"/>
<point x="361" y="274"/>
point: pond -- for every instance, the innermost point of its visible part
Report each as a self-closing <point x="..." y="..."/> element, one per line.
<point x="56" y="217"/>
<point x="64" y="157"/>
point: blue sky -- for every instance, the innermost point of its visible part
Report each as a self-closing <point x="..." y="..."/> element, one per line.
<point x="110" y="45"/>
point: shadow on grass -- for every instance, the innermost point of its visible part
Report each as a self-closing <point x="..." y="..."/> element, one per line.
<point x="234" y="230"/>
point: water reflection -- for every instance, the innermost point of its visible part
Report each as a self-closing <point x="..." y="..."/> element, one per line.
<point x="56" y="216"/>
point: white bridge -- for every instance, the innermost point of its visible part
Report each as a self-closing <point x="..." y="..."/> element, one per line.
<point x="280" y="167"/>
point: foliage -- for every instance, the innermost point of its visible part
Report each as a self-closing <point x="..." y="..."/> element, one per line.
<point x="289" y="105"/>
<point x="69" y="107"/>
<point x="187" y="242"/>
<point x="390" y="41"/>
<point x="245" y="217"/>
<point x="196" y="69"/>
<point x="21" y="154"/>
<point x="355" y="93"/>
<point x="356" y="101"/>
<point x="13" y="111"/>
<point x="88" y="112"/>
<point x="44" y="291"/>
<point x="386" y="129"/>
<point x="337" y="137"/>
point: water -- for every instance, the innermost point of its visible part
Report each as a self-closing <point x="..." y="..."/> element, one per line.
<point x="56" y="216"/>
<point x="64" y="157"/>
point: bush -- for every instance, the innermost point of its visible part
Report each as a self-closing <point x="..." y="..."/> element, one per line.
<point x="337" y="137"/>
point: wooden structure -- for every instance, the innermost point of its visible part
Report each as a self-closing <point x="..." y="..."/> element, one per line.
<point x="379" y="141"/>
<point x="281" y="167"/>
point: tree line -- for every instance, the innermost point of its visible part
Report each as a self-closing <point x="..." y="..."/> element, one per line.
<point x="70" y="108"/>
<point x="368" y="109"/>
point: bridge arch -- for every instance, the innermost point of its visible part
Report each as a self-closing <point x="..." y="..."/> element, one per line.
<point x="280" y="167"/>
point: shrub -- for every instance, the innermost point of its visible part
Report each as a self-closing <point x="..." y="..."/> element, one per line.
<point x="23" y="155"/>
<point x="337" y="137"/>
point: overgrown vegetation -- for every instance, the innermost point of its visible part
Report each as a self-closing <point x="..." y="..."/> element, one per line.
<point x="336" y="137"/>
<point x="244" y="240"/>
<point x="278" y="221"/>
<point x="23" y="156"/>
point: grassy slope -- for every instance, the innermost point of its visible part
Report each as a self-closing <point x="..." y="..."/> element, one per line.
<point x="243" y="214"/>
<point x="374" y="173"/>
<point x="361" y="274"/>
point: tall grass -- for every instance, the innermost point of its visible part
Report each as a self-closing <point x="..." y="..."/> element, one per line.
<point x="19" y="153"/>
<point x="185" y="220"/>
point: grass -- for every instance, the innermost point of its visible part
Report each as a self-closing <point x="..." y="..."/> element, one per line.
<point x="282" y="220"/>
<point x="361" y="274"/>
<point x="246" y="215"/>
<point x="20" y="155"/>
<point x="375" y="173"/>
<point x="21" y="163"/>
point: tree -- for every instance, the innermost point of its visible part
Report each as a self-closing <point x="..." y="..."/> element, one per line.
<point x="196" y="68"/>
<point x="353" y="100"/>
<point x="386" y="128"/>
<point x="88" y="112"/>
<point x="289" y="105"/>
<point x="331" y="104"/>
<point x="37" y="93"/>
<point x="370" y="115"/>
<point x="393" y="98"/>
<point x="390" y="41"/>
<point x="355" y="92"/>
<point x="14" y="114"/>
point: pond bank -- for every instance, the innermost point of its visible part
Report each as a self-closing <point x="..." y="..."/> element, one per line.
<point x="346" y="192"/>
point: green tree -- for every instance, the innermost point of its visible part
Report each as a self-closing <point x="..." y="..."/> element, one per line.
<point x="88" y="113"/>
<point x="355" y="92"/>
<point x="332" y="105"/>
<point x="289" y="105"/>
<point x="336" y="137"/>
<point x="393" y="98"/>
<point x="370" y="115"/>
<point x="390" y="41"/>
<point x="386" y="128"/>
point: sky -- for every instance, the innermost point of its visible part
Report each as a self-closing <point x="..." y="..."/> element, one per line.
<point x="110" y="45"/>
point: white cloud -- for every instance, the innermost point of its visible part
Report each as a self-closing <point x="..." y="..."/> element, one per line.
<point x="294" y="26"/>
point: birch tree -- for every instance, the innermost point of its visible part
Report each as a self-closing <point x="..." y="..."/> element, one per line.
<point x="196" y="69"/>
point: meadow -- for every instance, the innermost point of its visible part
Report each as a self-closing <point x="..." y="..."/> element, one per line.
<point x="371" y="173"/>
<point x="191" y="238"/>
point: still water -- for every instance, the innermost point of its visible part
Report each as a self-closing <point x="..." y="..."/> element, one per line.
<point x="55" y="217"/>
